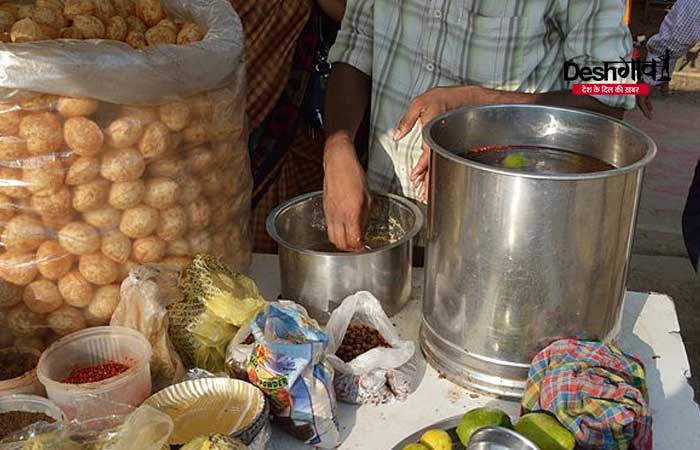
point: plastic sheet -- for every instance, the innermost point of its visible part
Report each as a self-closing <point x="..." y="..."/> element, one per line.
<point x="112" y="157"/>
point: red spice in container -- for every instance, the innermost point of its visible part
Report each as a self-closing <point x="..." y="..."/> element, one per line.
<point x="93" y="374"/>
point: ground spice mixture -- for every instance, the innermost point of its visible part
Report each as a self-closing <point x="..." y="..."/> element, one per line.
<point x="13" y="421"/>
<point x="93" y="374"/>
<point x="14" y="364"/>
<point x="359" y="338"/>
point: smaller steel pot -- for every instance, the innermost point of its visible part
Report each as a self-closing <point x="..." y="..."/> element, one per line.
<point x="320" y="279"/>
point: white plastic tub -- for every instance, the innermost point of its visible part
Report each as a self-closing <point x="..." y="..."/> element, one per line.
<point x="114" y="396"/>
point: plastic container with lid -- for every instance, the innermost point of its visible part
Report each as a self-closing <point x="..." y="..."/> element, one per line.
<point x="114" y="396"/>
<point x="27" y="383"/>
<point x="32" y="404"/>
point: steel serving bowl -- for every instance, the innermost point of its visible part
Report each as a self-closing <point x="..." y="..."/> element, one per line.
<point x="499" y="438"/>
<point x="320" y="279"/>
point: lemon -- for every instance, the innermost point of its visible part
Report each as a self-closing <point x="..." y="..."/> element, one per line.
<point x="515" y="161"/>
<point x="546" y="432"/>
<point x="416" y="446"/>
<point x="437" y="440"/>
<point x="480" y="418"/>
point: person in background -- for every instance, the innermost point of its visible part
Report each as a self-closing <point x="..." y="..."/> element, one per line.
<point x="415" y="59"/>
<point x="283" y="40"/>
<point x="679" y="33"/>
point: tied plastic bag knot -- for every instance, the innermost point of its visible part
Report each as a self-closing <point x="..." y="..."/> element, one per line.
<point x="289" y="365"/>
<point x="380" y="375"/>
<point x="144" y="296"/>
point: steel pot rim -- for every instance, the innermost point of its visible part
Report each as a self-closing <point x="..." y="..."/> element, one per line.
<point x="650" y="144"/>
<point x="271" y="226"/>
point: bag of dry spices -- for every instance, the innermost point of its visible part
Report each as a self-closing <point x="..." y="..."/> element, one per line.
<point x="372" y="364"/>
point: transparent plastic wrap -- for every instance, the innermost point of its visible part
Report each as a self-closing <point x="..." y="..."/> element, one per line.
<point x="112" y="157"/>
<point x="145" y="294"/>
<point x="147" y="426"/>
<point x="380" y="375"/>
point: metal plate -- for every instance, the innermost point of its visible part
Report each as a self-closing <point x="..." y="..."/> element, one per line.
<point x="449" y="425"/>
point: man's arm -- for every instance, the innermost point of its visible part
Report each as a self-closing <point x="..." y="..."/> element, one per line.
<point x="426" y="107"/>
<point x="557" y="98"/>
<point x="679" y="32"/>
<point x="333" y="8"/>
<point x="347" y="98"/>
<point x="346" y="198"/>
<point x="595" y="32"/>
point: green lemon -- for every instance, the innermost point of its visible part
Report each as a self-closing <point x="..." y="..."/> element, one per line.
<point x="480" y="418"/>
<point x="416" y="446"/>
<point x="546" y="432"/>
<point x="515" y="161"/>
<point x="437" y="440"/>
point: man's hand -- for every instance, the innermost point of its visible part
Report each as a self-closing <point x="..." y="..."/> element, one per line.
<point x="346" y="199"/>
<point x="425" y="108"/>
<point x="644" y="102"/>
<point x="645" y="106"/>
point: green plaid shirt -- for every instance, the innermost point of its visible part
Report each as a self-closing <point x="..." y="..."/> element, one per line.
<point x="411" y="46"/>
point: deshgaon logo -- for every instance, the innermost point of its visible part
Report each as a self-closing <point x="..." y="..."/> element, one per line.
<point x="621" y="71"/>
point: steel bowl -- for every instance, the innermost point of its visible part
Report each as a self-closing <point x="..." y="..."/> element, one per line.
<point x="319" y="277"/>
<point x="499" y="438"/>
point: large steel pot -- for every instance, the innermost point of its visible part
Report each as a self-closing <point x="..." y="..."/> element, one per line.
<point x="320" y="280"/>
<point x="515" y="260"/>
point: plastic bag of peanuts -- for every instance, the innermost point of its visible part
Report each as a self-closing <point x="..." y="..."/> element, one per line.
<point x="373" y="365"/>
<point x="121" y="143"/>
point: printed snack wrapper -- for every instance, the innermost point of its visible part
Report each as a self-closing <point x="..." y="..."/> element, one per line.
<point x="289" y="365"/>
<point x="112" y="157"/>
<point x="380" y="375"/>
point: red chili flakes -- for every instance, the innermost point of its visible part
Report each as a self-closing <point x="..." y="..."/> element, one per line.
<point x="96" y="373"/>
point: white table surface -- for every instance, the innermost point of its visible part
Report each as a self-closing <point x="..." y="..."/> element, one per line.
<point x="650" y="330"/>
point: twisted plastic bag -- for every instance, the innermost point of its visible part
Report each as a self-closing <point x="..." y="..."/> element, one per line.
<point x="380" y="375"/>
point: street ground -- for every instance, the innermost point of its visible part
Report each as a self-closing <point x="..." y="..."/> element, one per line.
<point x="660" y="263"/>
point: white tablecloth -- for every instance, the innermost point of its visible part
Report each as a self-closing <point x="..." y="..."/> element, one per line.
<point x="650" y="330"/>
